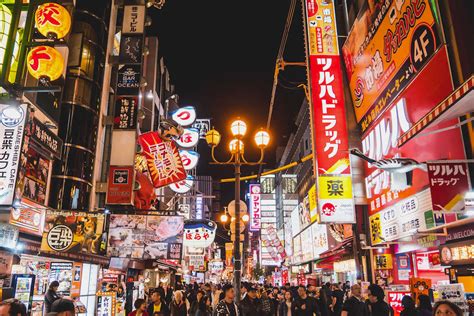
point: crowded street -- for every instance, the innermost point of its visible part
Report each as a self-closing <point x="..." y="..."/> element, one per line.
<point x="249" y="158"/>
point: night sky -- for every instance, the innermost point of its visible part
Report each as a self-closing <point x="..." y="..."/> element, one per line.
<point x="221" y="58"/>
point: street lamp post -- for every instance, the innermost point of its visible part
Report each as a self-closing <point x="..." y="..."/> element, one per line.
<point x="237" y="159"/>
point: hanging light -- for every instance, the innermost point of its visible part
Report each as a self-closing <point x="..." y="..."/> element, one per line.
<point x="238" y="128"/>
<point x="213" y="137"/>
<point x="262" y="138"/>
<point x="53" y="20"/>
<point x="45" y="63"/>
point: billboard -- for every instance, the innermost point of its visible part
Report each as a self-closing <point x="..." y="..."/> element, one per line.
<point x="162" y="158"/>
<point x="146" y="236"/>
<point x="120" y="185"/>
<point x="255" y="214"/>
<point x="380" y="140"/>
<point x="74" y="232"/>
<point x="199" y="233"/>
<point x="389" y="43"/>
<point x="12" y="127"/>
<point x="328" y="111"/>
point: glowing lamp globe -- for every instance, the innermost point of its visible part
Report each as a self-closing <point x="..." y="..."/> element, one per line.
<point x="52" y="20"/>
<point x="45" y="63"/>
<point x="246" y="218"/>
<point x="238" y="128"/>
<point x="213" y="137"/>
<point x="262" y="139"/>
<point x="236" y="146"/>
<point x="224" y="218"/>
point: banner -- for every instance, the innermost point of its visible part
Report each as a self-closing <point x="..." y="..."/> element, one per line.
<point x="384" y="262"/>
<point x="380" y="140"/>
<point x="126" y="108"/>
<point x="394" y="299"/>
<point x="328" y="111"/>
<point x="12" y="127"/>
<point x="29" y="218"/>
<point x="255" y="214"/>
<point x="74" y="232"/>
<point x="197" y="263"/>
<point x="389" y="43"/>
<point x="449" y="182"/>
<point x="146" y="236"/>
<point x="313" y="203"/>
<point x="46" y="139"/>
<point x="120" y="185"/>
<point x="199" y="233"/>
<point x="163" y="160"/>
<point x="335" y="199"/>
<point x="419" y="286"/>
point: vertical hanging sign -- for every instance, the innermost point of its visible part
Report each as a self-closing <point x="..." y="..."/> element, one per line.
<point x="335" y="203"/>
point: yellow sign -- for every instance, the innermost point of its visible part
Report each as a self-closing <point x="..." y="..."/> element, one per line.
<point x="384" y="261"/>
<point x="53" y="20"/>
<point x="386" y="47"/>
<point x="375" y="229"/>
<point x="335" y="187"/>
<point x="313" y="203"/>
<point x="322" y="30"/>
<point x="45" y="62"/>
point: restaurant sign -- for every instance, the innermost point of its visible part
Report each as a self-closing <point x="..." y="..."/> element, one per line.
<point x="387" y="46"/>
<point x="458" y="253"/>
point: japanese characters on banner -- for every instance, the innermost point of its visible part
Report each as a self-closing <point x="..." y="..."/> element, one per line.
<point x="182" y="186"/>
<point x="394" y="299"/>
<point x="163" y="160"/>
<point x="133" y="19"/>
<point x="387" y="45"/>
<point x="380" y="139"/>
<point x="197" y="263"/>
<point x="126" y="108"/>
<point x="189" y="139"/>
<point x="74" y="232"/>
<point x="454" y="293"/>
<point x="458" y="253"/>
<point x="216" y="266"/>
<point x="199" y="233"/>
<point x="146" y="237"/>
<point x="272" y="250"/>
<point x="401" y="219"/>
<point x="384" y="262"/>
<point x="328" y="113"/>
<point x="449" y="181"/>
<point x="189" y="158"/>
<point x="419" y="286"/>
<point x="120" y="185"/>
<point x="29" y="218"/>
<point x="203" y="125"/>
<point x="184" y="116"/>
<point x="46" y="139"/>
<point x="313" y="203"/>
<point x="320" y="239"/>
<point x="106" y="303"/>
<point x="255" y="213"/>
<point x="12" y="126"/>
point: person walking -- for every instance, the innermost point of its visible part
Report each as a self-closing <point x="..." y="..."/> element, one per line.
<point x="267" y="307"/>
<point x="322" y="302"/>
<point x="140" y="308"/>
<point x="157" y="307"/>
<point x="198" y="307"/>
<point x="376" y="306"/>
<point x="354" y="305"/>
<point x="51" y="295"/>
<point x="216" y="296"/>
<point x="409" y="308"/>
<point x="424" y="306"/>
<point x="226" y="306"/>
<point x="336" y="300"/>
<point x="284" y="309"/>
<point x="250" y="305"/>
<point x="446" y="308"/>
<point x="178" y="305"/>
<point x="303" y="305"/>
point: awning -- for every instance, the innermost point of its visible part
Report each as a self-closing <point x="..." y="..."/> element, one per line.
<point x="460" y="102"/>
<point x="334" y="254"/>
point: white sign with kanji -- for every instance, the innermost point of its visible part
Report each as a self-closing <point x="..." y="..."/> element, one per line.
<point x="189" y="158"/>
<point x="189" y="139"/>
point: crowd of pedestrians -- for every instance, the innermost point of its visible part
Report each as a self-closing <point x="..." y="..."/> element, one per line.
<point x="265" y="300"/>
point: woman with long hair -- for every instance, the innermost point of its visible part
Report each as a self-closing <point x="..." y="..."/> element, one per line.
<point x="140" y="308"/>
<point x="408" y="305"/>
<point x="284" y="308"/>
<point x="446" y="308"/>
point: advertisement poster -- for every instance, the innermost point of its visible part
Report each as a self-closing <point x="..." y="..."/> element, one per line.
<point x="146" y="237"/>
<point x="449" y="181"/>
<point x="255" y="214"/>
<point x="106" y="303"/>
<point x="29" y="218"/>
<point x="313" y="203"/>
<point x="126" y="108"/>
<point x="163" y="159"/>
<point x="120" y="185"/>
<point x="36" y="172"/>
<point x="381" y="138"/>
<point x="61" y="272"/>
<point x="389" y="43"/>
<point x="395" y="300"/>
<point x="419" y="286"/>
<point x="307" y="251"/>
<point x="320" y="241"/>
<point x="74" y="232"/>
<point x="12" y="127"/>
<point x="454" y="293"/>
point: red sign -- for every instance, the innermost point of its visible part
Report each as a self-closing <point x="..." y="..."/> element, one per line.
<point x="120" y="185"/>
<point x="449" y="181"/>
<point x="163" y="160"/>
<point x="329" y="115"/>
<point x="255" y="214"/>
<point x="29" y="218"/>
<point x="395" y="300"/>
<point x="380" y="140"/>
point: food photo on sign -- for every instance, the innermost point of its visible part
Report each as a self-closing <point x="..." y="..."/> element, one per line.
<point x="73" y="232"/>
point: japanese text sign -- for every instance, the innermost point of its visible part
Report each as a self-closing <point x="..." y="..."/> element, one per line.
<point x="184" y="116"/>
<point x="189" y="158"/>
<point x="199" y="233"/>
<point x="182" y="186"/>
<point x="322" y="27"/>
<point x="388" y="44"/>
<point x="189" y="139"/>
<point x="133" y="19"/>
<point x="126" y="108"/>
<point x="335" y="199"/>
<point x="395" y="300"/>
<point x="449" y="181"/>
<point x="12" y="126"/>
<point x="255" y="207"/>
<point x="163" y="160"/>
<point x="120" y="185"/>
<point x="384" y="261"/>
<point x="43" y="136"/>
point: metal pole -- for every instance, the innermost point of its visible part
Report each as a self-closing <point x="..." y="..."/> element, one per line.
<point x="237" y="258"/>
